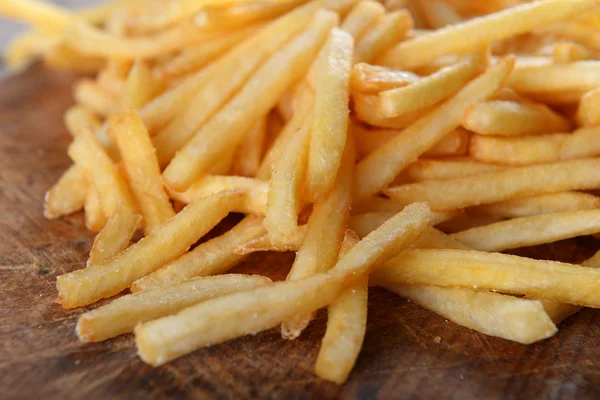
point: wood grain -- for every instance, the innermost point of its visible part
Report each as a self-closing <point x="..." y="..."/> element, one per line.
<point x="40" y="355"/>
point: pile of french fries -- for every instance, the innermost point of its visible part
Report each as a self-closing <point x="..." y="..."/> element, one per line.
<point x="402" y="144"/>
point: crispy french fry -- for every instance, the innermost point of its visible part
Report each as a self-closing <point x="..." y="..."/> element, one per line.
<point x="438" y="13"/>
<point x="123" y="314"/>
<point x="248" y="312"/>
<point x="254" y="200"/>
<point x="427" y="170"/>
<point x="427" y="91"/>
<point x="248" y="155"/>
<point x="361" y="17"/>
<point x="67" y="195"/>
<point x="367" y="78"/>
<point x="588" y="111"/>
<point x="141" y="168"/>
<point x="93" y="97"/>
<point x="502" y="185"/>
<point x="493" y="271"/>
<point x="114" y="236"/>
<point x="368" y="109"/>
<point x="95" y="219"/>
<point x="508" y="118"/>
<point x="140" y="87"/>
<point x="330" y="121"/>
<point x="43" y="16"/>
<point x="163" y="245"/>
<point x="227" y="76"/>
<point x="324" y="234"/>
<point x="578" y="76"/>
<point x="538" y="205"/>
<point x="531" y="231"/>
<point x="472" y="34"/>
<point x="263" y="243"/>
<point x="213" y="257"/>
<point x="227" y="127"/>
<point x="379" y="168"/>
<point x="389" y="30"/>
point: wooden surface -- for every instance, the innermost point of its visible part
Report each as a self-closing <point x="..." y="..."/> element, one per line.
<point x="40" y="355"/>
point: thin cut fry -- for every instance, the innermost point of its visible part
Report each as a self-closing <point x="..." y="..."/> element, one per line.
<point x="67" y="195"/>
<point x="363" y="224"/>
<point x="472" y="34"/>
<point x="579" y="76"/>
<point x="209" y="258"/>
<point x="380" y="168"/>
<point x="441" y="169"/>
<point x="502" y="185"/>
<point x="507" y="118"/>
<point x="114" y="236"/>
<point x="78" y="117"/>
<point x="42" y="15"/>
<point x="86" y="286"/>
<point x="366" y="78"/>
<point x="389" y="30"/>
<point x="362" y="16"/>
<point x="368" y="109"/>
<point x="330" y="122"/>
<point x="123" y="314"/>
<point x="249" y="153"/>
<point x="140" y="87"/>
<point x="89" y="94"/>
<point x="248" y="312"/>
<point x="95" y="219"/>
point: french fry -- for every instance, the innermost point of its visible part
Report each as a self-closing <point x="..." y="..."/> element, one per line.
<point x="330" y="121"/>
<point x="141" y="168"/>
<point x="86" y="286"/>
<point x="248" y="312"/>
<point x="441" y="169"/>
<point x="363" y="224"/>
<point x="526" y="150"/>
<point x="368" y="109"/>
<point x="531" y="231"/>
<point x="41" y="15"/>
<point x="508" y="118"/>
<point x="24" y="49"/>
<point x="538" y="205"/>
<point x="123" y="314"/>
<point x="286" y="184"/>
<point x="95" y="219"/>
<point x="502" y="185"/>
<point x="248" y="155"/>
<point x="228" y="75"/>
<point x="493" y="271"/>
<point x="140" y="87"/>
<point x="389" y="30"/>
<point x="578" y="76"/>
<point x="114" y="236"/>
<point x="438" y="13"/>
<point x="587" y="112"/>
<point x="90" y="95"/>
<point x="427" y="91"/>
<point x="78" y="117"/>
<point x="254" y="200"/>
<point x="263" y="243"/>
<point x="367" y="78"/>
<point x="456" y="143"/>
<point x="566" y="52"/>
<point x="379" y="168"/>
<point x="324" y="234"/>
<point x="62" y="57"/>
<point x="466" y="221"/>
<point x="113" y="190"/>
<point x="361" y="17"/>
<point x="67" y="195"/>
<point x="227" y="127"/>
<point x="472" y="34"/>
<point x="346" y="327"/>
<point x="213" y="257"/>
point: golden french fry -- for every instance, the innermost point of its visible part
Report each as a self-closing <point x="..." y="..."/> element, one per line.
<point x="324" y="234"/>
<point x="538" y="205"/>
<point x="263" y="243"/>
<point x="86" y="286"/>
<point x="588" y="111"/>
<point x="330" y="121"/>
<point x="78" y="117"/>
<point x="365" y="223"/>
<point x="227" y="76"/>
<point x="367" y="78"/>
<point x="472" y="34"/>
<point x="254" y="200"/>
<point x="248" y="312"/>
<point x="248" y="155"/>
<point x="389" y="30"/>
<point x="24" y="49"/>
<point x="493" y="271"/>
<point x="508" y="118"/>
<point x="578" y="76"/>
<point x="213" y="257"/>
<point x="438" y="13"/>
<point x="380" y="168"/>
<point x="227" y="127"/>
<point x="142" y="170"/>
<point x="123" y="314"/>
<point x="93" y="97"/>
<point x="466" y="221"/>
<point x="456" y="143"/>
<point x="368" y="109"/>
<point x="63" y="57"/>
<point x="361" y="17"/>
<point x="95" y="219"/>
<point x="140" y="87"/>
<point x="441" y="169"/>
<point x="114" y="236"/>
<point x="68" y="195"/>
<point x="531" y="231"/>
<point x="41" y="15"/>
<point x="502" y="185"/>
<point x="427" y="91"/>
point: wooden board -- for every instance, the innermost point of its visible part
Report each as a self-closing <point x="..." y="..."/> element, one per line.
<point x="40" y="355"/>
